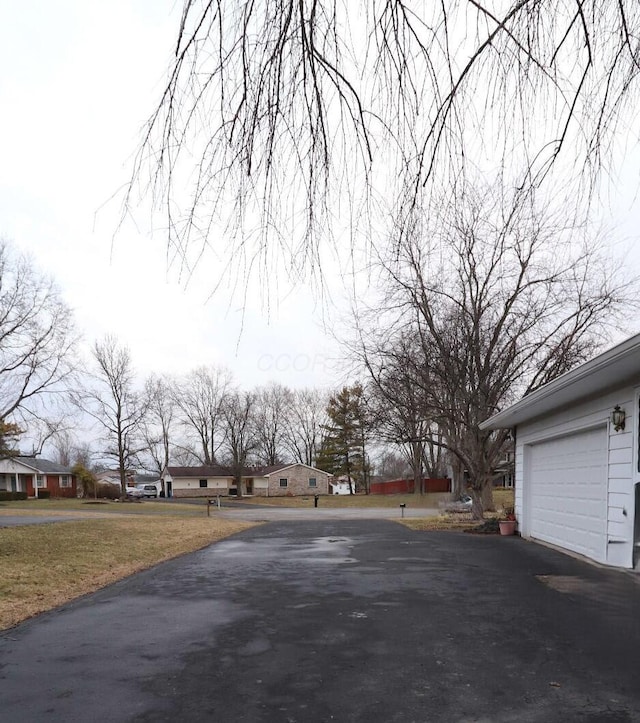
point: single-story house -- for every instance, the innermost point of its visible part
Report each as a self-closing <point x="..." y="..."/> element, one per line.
<point x="577" y="460"/>
<point x="112" y="477"/>
<point x="34" y="474"/>
<point x="275" y="481"/>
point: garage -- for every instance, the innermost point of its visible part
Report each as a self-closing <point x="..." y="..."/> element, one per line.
<point x="568" y="492"/>
<point x="577" y="458"/>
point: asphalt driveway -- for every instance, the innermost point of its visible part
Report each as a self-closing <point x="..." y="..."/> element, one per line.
<point x="338" y="620"/>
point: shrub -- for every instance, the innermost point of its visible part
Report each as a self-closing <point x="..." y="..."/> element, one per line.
<point x="107" y="491"/>
<point x="44" y="494"/>
<point x="490" y="526"/>
<point x="8" y="496"/>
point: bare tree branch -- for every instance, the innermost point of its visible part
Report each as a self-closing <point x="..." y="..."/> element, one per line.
<point x="283" y="123"/>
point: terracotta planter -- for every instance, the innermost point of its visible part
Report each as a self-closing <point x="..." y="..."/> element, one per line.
<point x="507" y="527"/>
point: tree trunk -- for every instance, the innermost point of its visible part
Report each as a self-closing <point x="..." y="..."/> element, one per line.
<point x="457" y="483"/>
<point x="487" y="496"/>
<point x="477" y="510"/>
<point x="416" y="466"/>
<point x="123" y="483"/>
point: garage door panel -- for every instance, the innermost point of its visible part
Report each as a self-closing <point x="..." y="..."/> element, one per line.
<point x="568" y="492"/>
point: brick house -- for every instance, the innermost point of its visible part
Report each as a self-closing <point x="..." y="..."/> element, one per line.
<point x="275" y="481"/>
<point x="34" y="474"/>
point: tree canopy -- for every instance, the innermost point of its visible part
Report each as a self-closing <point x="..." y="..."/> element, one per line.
<point x="483" y="302"/>
<point x="37" y="340"/>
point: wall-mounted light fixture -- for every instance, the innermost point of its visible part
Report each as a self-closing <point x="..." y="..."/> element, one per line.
<point x="617" y="418"/>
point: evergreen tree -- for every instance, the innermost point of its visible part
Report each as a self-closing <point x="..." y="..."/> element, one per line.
<point x="9" y="433"/>
<point x="342" y="451"/>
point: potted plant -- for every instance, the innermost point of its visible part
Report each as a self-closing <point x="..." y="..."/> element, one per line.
<point x="508" y="523"/>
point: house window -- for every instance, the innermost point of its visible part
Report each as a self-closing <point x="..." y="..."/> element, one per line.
<point x="284" y="482"/>
<point x="65" y="480"/>
<point x="40" y="480"/>
<point x="203" y="483"/>
<point x="313" y="482"/>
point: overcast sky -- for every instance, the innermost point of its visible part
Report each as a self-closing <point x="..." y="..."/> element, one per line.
<point x="79" y="79"/>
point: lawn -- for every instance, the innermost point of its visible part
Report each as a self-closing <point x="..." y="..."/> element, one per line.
<point x="46" y="565"/>
<point x="426" y="501"/>
<point x="88" y="507"/>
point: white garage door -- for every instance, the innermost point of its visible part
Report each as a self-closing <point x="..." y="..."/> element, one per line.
<point x="568" y="492"/>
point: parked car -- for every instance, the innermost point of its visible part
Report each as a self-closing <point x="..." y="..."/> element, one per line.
<point x="149" y="490"/>
<point x="134" y="492"/>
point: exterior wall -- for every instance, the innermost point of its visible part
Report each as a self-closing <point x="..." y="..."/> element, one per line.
<point x="297" y="477"/>
<point x="297" y="481"/>
<point x="620" y="463"/>
<point x="26" y="480"/>
<point x="261" y="487"/>
<point x="52" y="486"/>
<point x="52" y="482"/>
<point x="190" y="486"/>
<point x="406" y="486"/>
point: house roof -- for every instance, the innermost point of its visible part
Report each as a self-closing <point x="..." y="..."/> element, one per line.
<point x="211" y="470"/>
<point x="141" y="478"/>
<point x="612" y="368"/>
<point x="281" y="467"/>
<point x="219" y="470"/>
<point x="44" y="466"/>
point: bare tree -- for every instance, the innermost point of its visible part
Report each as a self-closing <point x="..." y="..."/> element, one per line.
<point x="391" y="465"/>
<point x="345" y="97"/>
<point x="498" y="300"/>
<point x="273" y="404"/>
<point x="199" y="397"/>
<point x="64" y="444"/>
<point x="157" y="427"/>
<point x="240" y="433"/>
<point x="37" y="341"/>
<point x="112" y="400"/>
<point x="306" y="418"/>
<point x="401" y="402"/>
<point x="68" y="450"/>
<point x="184" y="457"/>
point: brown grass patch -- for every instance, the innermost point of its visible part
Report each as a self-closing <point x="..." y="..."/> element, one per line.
<point x="503" y="497"/>
<point x="90" y="507"/>
<point x="453" y="521"/>
<point x="46" y="565"/>
<point x="456" y="522"/>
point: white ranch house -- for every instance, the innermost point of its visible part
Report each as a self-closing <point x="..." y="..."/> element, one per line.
<point x="275" y="481"/>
